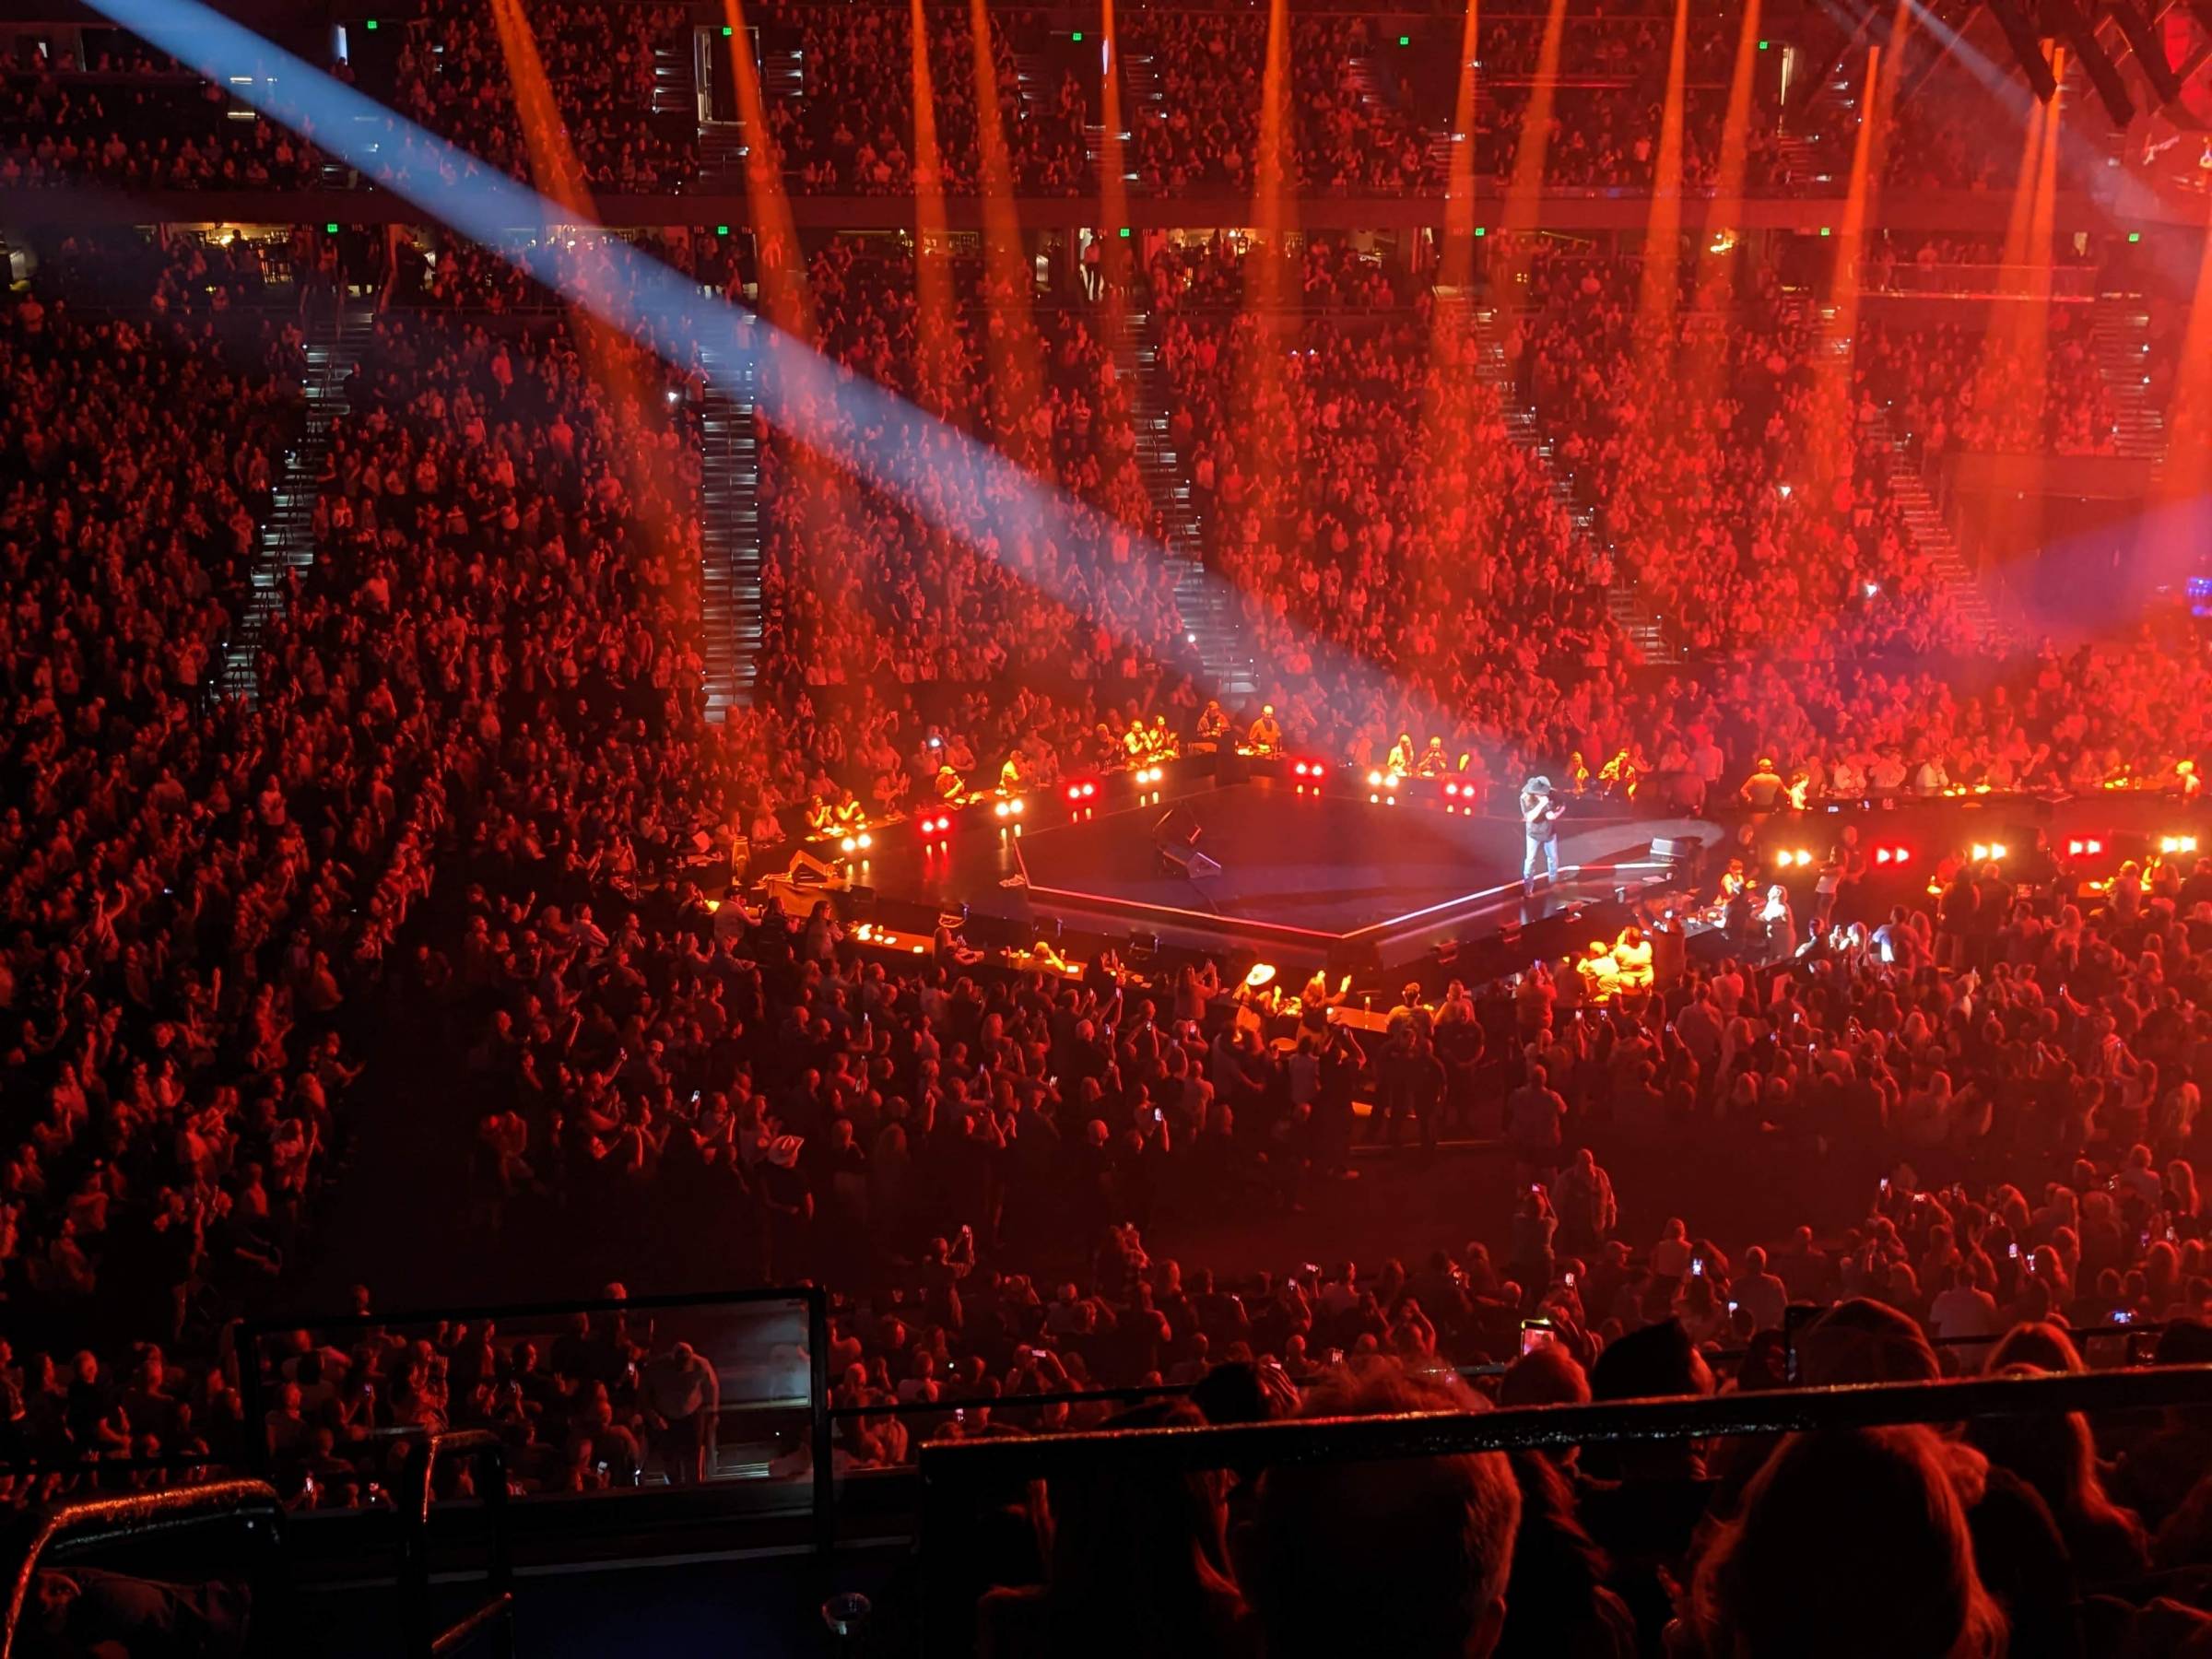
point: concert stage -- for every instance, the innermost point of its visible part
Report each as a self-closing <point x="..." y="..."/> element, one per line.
<point x="1312" y="874"/>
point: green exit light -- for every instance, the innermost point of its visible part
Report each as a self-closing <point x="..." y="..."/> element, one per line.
<point x="369" y="24"/>
<point x="1762" y="45"/>
<point x="722" y="229"/>
<point x="1124" y="233"/>
<point x="2135" y="236"/>
<point x="1076" y="37"/>
<point x="1404" y="40"/>
<point x="1482" y="230"/>
<point x="1824" y="229"/>
<point x="330" y="230"/>
<point x="727" y="31"/>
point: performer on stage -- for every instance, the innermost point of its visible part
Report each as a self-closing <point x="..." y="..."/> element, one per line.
<point x="1539" y="816"/>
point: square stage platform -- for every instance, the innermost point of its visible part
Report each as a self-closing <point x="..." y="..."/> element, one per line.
<point x="1313" y="873"/>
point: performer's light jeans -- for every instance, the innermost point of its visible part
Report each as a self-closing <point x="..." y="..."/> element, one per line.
<point x="1543" y="852"/>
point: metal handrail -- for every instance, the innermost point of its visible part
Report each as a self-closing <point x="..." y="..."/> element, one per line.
<point x="496" y="1612"/>
<point x="133" y="1515"/>
<point x="952" y="1466"/>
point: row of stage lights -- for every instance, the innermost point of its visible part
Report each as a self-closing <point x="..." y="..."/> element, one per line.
<point x="2079" y="846"/>
<point x="1885" y="856"/>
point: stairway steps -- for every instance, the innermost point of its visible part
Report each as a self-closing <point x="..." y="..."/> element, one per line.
<point x="730" y="533"/>
<point x="285" y="541"/>
<point x="1216" y="636"/>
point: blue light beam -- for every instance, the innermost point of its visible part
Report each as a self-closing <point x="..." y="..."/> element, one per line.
<point x="965" y="488"/>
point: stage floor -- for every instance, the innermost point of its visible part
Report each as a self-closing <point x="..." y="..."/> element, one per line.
<point x="1320" y="865"/>
<point x="1309" y="877"/>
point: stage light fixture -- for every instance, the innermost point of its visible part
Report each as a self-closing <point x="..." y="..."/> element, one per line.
<point x="2149" y="52"/>
<point x="1988" y="852"/>
<point x="2111" y="91"/>
<point x="2177" y="843"/>
<point x="2084" y="845"/>
<point x="2028" y="50"/>
<point x="1375" y="780"/>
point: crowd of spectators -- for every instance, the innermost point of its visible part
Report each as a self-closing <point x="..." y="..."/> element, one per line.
<point x="183" y="872"/>
<point x="456" y="77"/>
<point x="1723" y="518"/>
<point x="476" y="798"/>
<point x="135" y="117"/>
<point x="1372" y="110"/>
<point x="2011" y="1084"/>
<point x="860" y="588"/>
<point x="1955" y="389"/>
<point x="848" y="127"/>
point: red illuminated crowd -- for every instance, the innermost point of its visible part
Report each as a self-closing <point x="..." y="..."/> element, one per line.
<point x="431" y="854"/>
<point x="1372" y="107"/>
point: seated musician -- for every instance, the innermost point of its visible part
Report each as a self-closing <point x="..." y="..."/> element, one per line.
<point x="1619" y="775"/>
<point x="1400" y="764"/>
<point x="1265" y="738"/>
<point x="1213" y="726"/>
<point x="1315" y="1001"/>
<point x="1599" y="974"/>
<point x="1434" y="762"/>
<point x="821" y="817"/>
<point x="949" y="945"/>
<point x="849" y="814"/>
<point x="1136" y="744"/>
<point x="802" y="878"/>
<point x="951" y="787"/>
<point x="1632" y="956"/>
<point x="1014" y="776"/>
<point x="1164" y="747"/>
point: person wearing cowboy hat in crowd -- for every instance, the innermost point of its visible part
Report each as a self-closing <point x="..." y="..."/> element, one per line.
<point x="1540" y="814"/>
